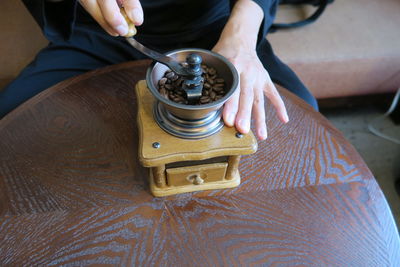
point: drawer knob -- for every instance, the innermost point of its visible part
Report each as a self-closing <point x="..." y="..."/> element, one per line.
<point x="195" y="179"/>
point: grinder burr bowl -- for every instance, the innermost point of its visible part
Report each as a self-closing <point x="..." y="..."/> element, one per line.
<point x="191" y="121"/>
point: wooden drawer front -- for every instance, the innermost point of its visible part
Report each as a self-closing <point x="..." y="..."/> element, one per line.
<point x="194" y="175"/>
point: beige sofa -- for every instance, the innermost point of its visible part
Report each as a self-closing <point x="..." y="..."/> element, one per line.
<point x="353" y="49"/>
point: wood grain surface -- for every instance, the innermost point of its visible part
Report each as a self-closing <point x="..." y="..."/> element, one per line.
<point x="73" y="193"/>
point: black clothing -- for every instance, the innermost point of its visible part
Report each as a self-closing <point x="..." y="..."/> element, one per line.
<point x="81" y="45"/>
<point x="164" y="19"/>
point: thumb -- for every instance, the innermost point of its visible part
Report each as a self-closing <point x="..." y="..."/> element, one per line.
<point x="134" y="10"/>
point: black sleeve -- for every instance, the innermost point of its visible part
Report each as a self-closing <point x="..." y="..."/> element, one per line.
<point x="56" y="19"/>
<point x="269" y="7"/>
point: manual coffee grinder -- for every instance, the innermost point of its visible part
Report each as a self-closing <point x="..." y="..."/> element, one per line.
<point x="187" y="147"/>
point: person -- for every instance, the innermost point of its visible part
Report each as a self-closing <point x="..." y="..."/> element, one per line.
<point x="88" y="34"/>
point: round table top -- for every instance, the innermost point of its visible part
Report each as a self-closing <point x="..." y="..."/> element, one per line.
<point x="72" y="191"/>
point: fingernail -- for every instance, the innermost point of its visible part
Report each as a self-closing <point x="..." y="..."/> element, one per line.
<point x="286" y="118"/>
<point x="137" y="16"/>
<point x="244" y="126"/>
<point x="262" y="134"/>
<point x="113" y="33"/>
<point x="122" y="29"/>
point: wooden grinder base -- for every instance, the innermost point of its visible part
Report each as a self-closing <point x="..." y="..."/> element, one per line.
<point x="184" y="165"/>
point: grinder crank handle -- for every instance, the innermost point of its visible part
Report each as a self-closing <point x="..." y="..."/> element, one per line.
<point x="161" y="58"/>
<point x="166" y="60"/>
<point x="193" y="82"/>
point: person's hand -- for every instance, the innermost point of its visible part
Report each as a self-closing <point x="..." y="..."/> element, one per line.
<point x="254" y="83"/>
<point x="238" y="44"/>
<point x="108" y="14"/>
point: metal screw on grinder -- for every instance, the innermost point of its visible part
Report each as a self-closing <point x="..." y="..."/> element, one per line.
<point x="239" y="135"/>
<point x="156" y="145"/>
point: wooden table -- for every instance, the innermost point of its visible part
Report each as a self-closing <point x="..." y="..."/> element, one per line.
<point x="72" y="191"/>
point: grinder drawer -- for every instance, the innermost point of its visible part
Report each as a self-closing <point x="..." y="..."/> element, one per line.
<point x="196" y="175"/>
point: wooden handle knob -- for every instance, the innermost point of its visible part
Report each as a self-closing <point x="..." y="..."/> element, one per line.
<point x="131" y="27"/>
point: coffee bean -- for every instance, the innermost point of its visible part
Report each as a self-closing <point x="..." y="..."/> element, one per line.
<point x="213" y="77"/>
<point x="179" y="82"/>
<point x="162" y="81"/>
<point x="180" y="92"/>
<point x="164" y="92"/>
<point x="218" y="89"/>
<point x="205" y="100"/>
<point x="212" y="71"/>
<point x="174" y="78"/>
<point x="179" y="98"/>
<point x="207" y="85"/>
<point x="169" y="75"/>
<point x="213" y="95"/>
<point x="168" y="87"/>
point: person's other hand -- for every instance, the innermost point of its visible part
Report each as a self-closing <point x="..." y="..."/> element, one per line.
<point x="108" y="14"/>
<point x="254" y="82"/>
<point x="238" y="43"/>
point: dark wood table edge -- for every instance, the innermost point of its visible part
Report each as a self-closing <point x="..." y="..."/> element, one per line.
<point x="68" y="82"/>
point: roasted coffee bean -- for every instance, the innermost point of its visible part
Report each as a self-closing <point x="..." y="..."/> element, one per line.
<point x="218" y="89"/>
<point x="205" y="100"/>
<point x="168" y="87"/>
<point x="174" y="78"/>
<point x="164" y="92"/>
<point x="207" y="85"/>
<point x="169" y="75"/>
<point x="212" y="71"/>
<point x="180" y="92"/>
<point x="162" y="81"/>
<point x="179" y="82"/>
<point x="213" y="95"/>
<point x="179" y="98"/>
<point x="219" y="80"/>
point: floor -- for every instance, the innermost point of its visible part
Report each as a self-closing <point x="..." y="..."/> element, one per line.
<point x="381" y="156"/>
